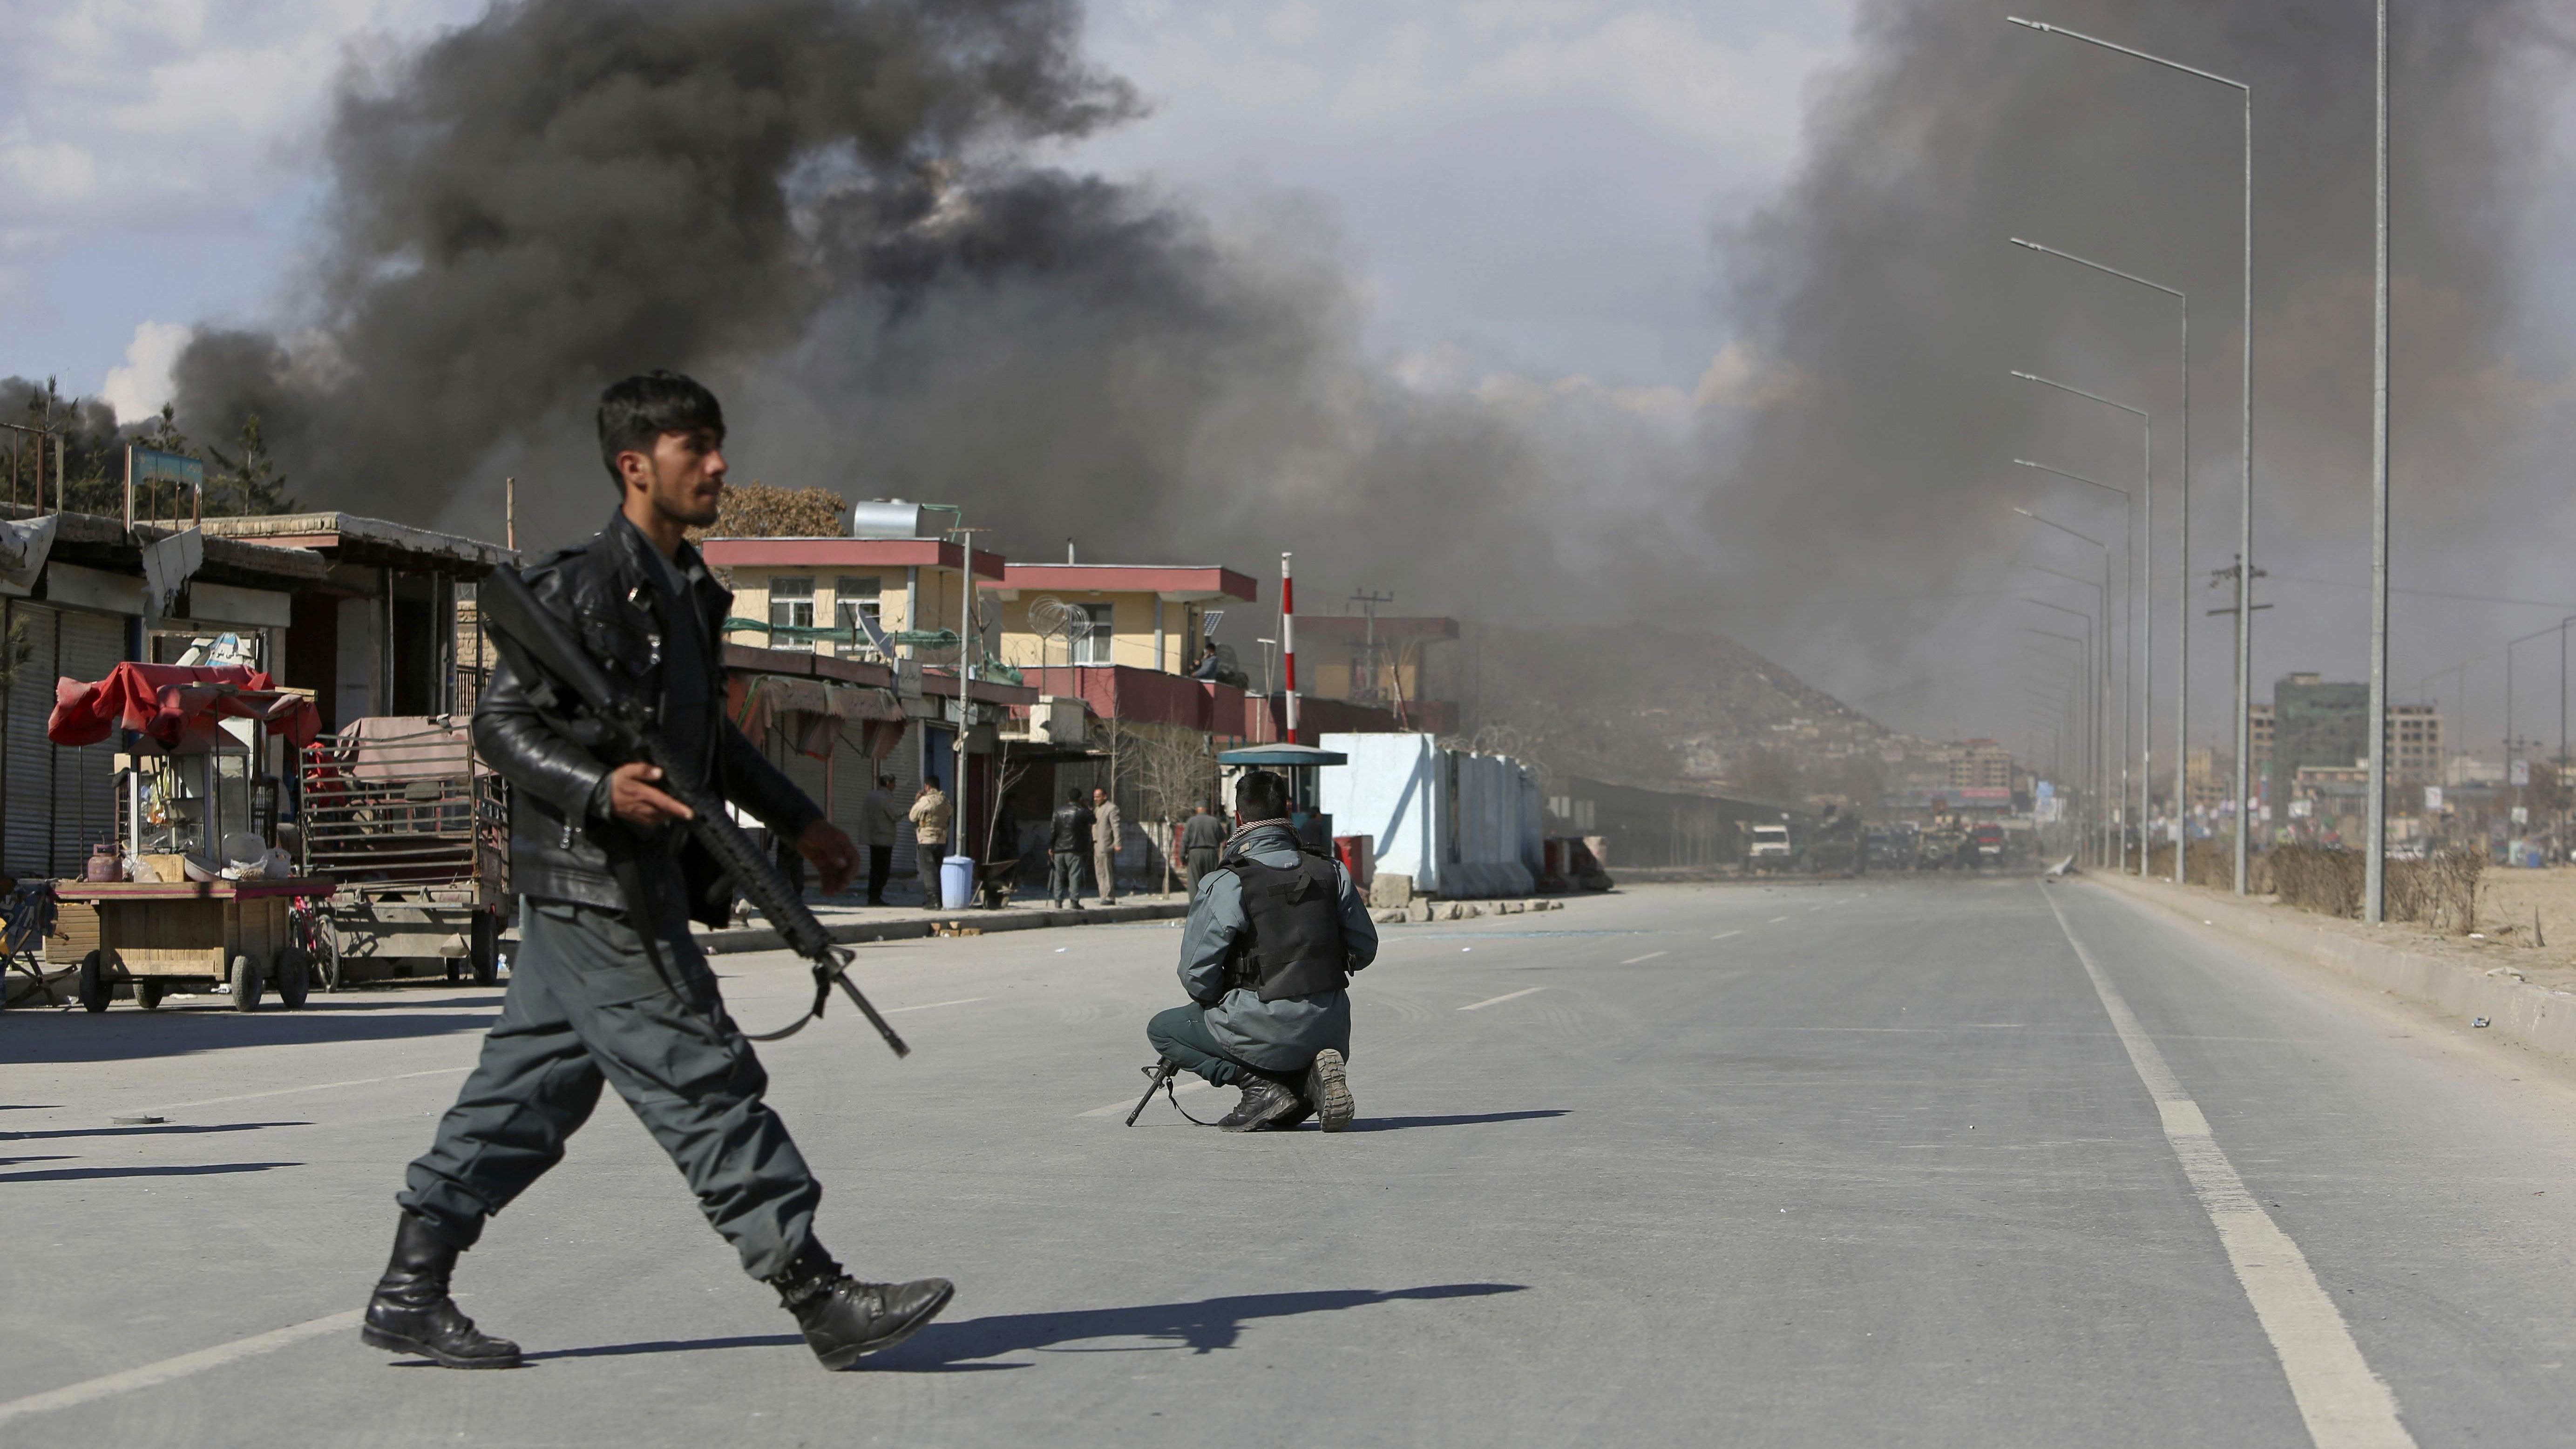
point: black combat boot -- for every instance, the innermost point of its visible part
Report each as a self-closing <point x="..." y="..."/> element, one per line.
<point x="1265" y="1101"/>
<point x="411" y="1312"/>
<point x="1328" y="1091"/>
<point x="844" y="1318"/>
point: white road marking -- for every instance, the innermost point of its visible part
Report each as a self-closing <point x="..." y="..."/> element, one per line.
<point x="315" y="1087"/>
<point x="145" y="1376"/>
<point x="1499" y="1000"/>
<point x="934" y="1005"/>
<point x="1121" y="1109"/>
<point x="1722" y="935"/>
<point x="1649" y="956"/>
<point x="2346" y="1406"/>
<point x="1775" y="920"/>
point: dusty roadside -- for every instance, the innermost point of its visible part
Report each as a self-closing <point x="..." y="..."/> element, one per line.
<point x="2520" y="992"/>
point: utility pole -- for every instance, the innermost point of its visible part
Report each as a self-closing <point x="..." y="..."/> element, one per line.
<point x="1368" y="600"/>
<point x="2237" y="574"/>
<point x="968" y="636"/>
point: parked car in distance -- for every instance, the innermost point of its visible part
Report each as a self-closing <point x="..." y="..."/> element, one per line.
<point x="1988" y="840"/>
<point x="1768" y="847"/>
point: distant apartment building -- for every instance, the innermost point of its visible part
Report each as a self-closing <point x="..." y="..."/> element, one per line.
<point x="1386" y="662"/>
<point x="1980" y="765"/>
<point x="2208" y="775"/>
<point x="2414" y="744"/>
<point x="2317" y="723"/>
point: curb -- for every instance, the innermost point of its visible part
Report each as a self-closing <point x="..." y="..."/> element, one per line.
<point x="2536" y="1016"/>
<point x="847" y="933"/>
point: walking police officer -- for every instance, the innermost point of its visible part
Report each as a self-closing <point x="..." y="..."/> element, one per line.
<point x="607" y="986"/>
<point x="1274" y="933"/>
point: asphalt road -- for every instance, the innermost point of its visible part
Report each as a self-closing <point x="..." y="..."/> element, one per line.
<point x="1857" y="1163"/>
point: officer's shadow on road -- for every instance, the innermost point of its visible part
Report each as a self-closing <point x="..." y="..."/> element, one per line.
<point x="1202" y="1327"/>
<point x="124" y="1032"/>
<point x="1399" y="1124"/>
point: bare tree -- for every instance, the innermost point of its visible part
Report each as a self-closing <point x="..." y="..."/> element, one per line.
<point x="1166" y="769"/>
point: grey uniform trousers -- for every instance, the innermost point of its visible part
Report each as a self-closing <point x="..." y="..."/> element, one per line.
<point x="585" y="1005"/>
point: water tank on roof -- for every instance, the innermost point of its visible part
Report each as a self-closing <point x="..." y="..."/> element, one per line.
<point x="891" y="518"/>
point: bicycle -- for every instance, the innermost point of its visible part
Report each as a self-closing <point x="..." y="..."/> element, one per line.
<point x="26" y="919"/>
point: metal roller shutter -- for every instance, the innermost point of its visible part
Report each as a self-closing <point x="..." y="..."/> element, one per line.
<point x="26" y="760"/>
<point x="84" y="779"/>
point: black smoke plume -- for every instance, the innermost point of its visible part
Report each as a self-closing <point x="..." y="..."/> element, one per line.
<point x="828" y="209"/>
<point x="1884" y="308"/>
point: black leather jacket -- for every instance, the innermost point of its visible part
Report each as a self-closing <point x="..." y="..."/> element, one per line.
<point x="559" y="844"/>
<point x="1069" y="829"/>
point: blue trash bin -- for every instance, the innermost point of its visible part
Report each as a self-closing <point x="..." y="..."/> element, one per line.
<point x="956" y="882"/>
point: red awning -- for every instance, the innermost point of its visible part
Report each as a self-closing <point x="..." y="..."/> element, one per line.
<point x="169" y="702"/>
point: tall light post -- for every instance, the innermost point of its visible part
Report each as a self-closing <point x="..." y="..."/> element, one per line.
<point x="2245" y="526"/>
<point x="2374" y="904"/>
<point x="2096" y="786"/>
<point x="2104" y="596"/>
<point x="2182" y="541"/>
<point x="2084" y="726"/>
<point x="2129" y="592"/>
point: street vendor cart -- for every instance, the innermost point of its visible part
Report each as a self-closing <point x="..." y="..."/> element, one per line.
<point x="194" y="890"/>
<point x="414" y="827"/>
<point x="158" y="937"/>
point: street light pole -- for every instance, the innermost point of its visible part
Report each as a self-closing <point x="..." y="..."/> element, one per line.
<point x="2182" y="548"/>
<point x="2097" y="679"/>
<point x="2087" y="720"/>
<point x="2097" y="741"/>
<point x="2374" y="907"/>
<point x="2128" y="592"/>
<point x="2245" y="527"/>
<point x="2104" y="604"/>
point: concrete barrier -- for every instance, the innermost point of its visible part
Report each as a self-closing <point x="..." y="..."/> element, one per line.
<point x="2536" y="1016"/>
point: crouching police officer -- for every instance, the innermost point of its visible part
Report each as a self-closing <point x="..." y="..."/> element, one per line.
<point x="1272" y="938"/>
<point x="607" y="988"/>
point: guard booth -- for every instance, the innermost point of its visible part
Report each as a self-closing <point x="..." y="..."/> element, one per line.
<point x="1304" y="766"/>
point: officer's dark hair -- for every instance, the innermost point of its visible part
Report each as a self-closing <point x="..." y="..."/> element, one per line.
<point x="1261" y="795"/>
<point x="635" y="412"/>
<point x="1073" y="796"/>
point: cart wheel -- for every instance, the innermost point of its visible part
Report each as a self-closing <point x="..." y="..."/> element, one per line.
<point x="247" y="984"/>
<point x="95" y="989"/>
<point x="328" y="968"/>
<point x="294" y="972"/>
<point x="147" y="994"/>
<point x="484" y="952"/>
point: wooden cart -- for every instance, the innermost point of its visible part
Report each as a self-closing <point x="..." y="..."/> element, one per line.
<point x="237" y="935"/>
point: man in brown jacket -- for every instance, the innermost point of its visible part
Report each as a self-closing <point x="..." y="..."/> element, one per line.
<point x="929" y="839"/>
<point x="1105" y="825"/>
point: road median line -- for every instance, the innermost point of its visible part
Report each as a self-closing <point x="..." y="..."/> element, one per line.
<point x="144" y="1376"/>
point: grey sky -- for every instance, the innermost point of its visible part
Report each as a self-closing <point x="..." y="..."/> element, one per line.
<point x="1530" y="199"/>
<point x="1524" y="186"/>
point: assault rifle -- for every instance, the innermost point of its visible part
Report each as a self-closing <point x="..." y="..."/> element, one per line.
<point x="1158" y="1077"/>
<point x="541" y="649"/>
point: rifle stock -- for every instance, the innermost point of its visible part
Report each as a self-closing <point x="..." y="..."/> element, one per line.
<point x="539" y="645"/>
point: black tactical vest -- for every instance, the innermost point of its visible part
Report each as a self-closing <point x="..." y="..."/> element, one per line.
<point x="1292" y="928"/>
